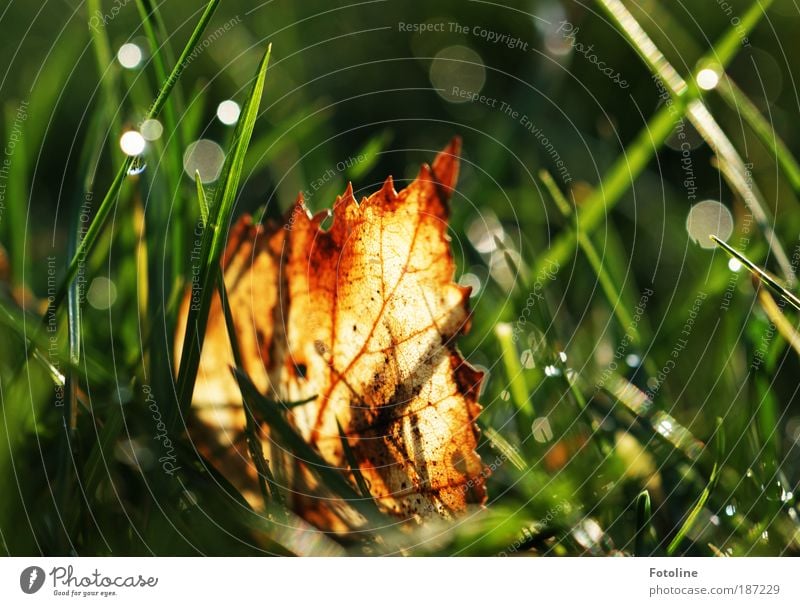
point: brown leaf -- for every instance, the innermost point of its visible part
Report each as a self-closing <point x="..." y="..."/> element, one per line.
<point x="364" y="316"/>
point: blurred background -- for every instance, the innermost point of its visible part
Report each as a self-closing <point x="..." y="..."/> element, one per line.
<point x="640" y="394"/>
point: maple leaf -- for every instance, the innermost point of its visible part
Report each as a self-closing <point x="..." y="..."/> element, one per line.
<point x="364" y="316"/>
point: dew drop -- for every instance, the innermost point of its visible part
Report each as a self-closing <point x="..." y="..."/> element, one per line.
<point x="541" y="430"/>
<point x="707" y="218"/>
<point x="457" y="68"/>
<point x="734" y="264"/>
<point x="206" y="157"/>
<point x="472" y="281"/>
<point x="137" y="166"/>
<point x="228" y="112"/>
<point x="552" y="371"/>
<point x="526" y="359"/>
<point x="665" y="428"/>
<point x="129" y="55"/>
<point x="151" y="129"/>
<point x="102" y="293"/>
<point x="707" y="78"/>
<point x="132" y="143"/>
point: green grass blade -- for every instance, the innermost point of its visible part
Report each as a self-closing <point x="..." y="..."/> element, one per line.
<point x="635" y="158"/>
<point x="147" y="14"/>
<point x="104" y="58"/>
<point x="643" y="526"/>
<point x="15" y="199"/>
<point x="214" y="238"/>
<point x="266" y="482"/>
<point x="507" y="449"/>
<point x="329" y="476"/>
<point x="201" y="198"/>
<point x="517" y="384"/>
<point x="610" y="290"/>
<point x="109" y="200"/>
<point x="743" y="106"/>
<point x="369" y="155"/>
<point x="350" y="456"/>
<point x="701" y="501"/>
<point x="730" y="162"/>
<point x="761" y="274"/>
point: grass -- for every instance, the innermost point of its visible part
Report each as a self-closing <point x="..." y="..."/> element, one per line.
<point x="614" y="421"/>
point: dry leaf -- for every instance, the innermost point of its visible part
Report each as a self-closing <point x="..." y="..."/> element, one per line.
<point x="364" y="316"/>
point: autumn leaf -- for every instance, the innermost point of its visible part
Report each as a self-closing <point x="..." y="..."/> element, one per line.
<point x="365" y="317"/>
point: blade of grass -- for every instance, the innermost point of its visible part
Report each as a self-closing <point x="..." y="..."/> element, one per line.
<point x="662" y="424"/>
<point x="622" y="173"/>
<point x="729" y="161"/>
<point x="497" y="440"/>
<point x="214" y="239"/>
<point x="761" y="274"/>
<point x="201" y="198"/>
<point x="743" y="106"/>
<point x="612" y="293"/>
<point x="643" y="525"/>
<point x="516" y="379"/>
<point x="368" y="155"/>
<point x="104" y="58"/>
<point x="174" y="143"/>
<point x="329" y="476"/>
<point x="350" y="456"/>
<point x="109" y="200"/>
<point x="266" y="482"/>
<point x="16" y="200"/>
<point x="777" y="317"/>
<point x="719" y="436"/>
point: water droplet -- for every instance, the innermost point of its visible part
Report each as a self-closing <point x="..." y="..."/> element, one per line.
<point x="541" y="430"/>
<point x="505" y="395"/>
<point x="151" y="129"/>
<point x="551" y="370"/>
<point x="483" y="231"/>
<point x="500" y="270"/>
<point x="793" y="429"/>
<point x="455" y="69"/>
<point x="228" y="112"/>
<point x="526" y="359"/>
<point x="206" y="157"/>
<point x="472" y="281"/>
<point x="765" y="536"/>
<point x="707" y="78"/>
<point x="187" y="499"/>
<point x="734" y="264"/>
<point x="730" y="509"/>
<point x="633" y="360"/>
<point x="102" y="293"/>
<point x="537" y="342"/>
<point x="129" y="55"/>
<point x="707" y="218"/>
<point x="665" y="427"/>
<point x="137" y="166"/>
<point x="132" y="143"/>
<point x="134" y="453"/>
<point x="562" y="356"/>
